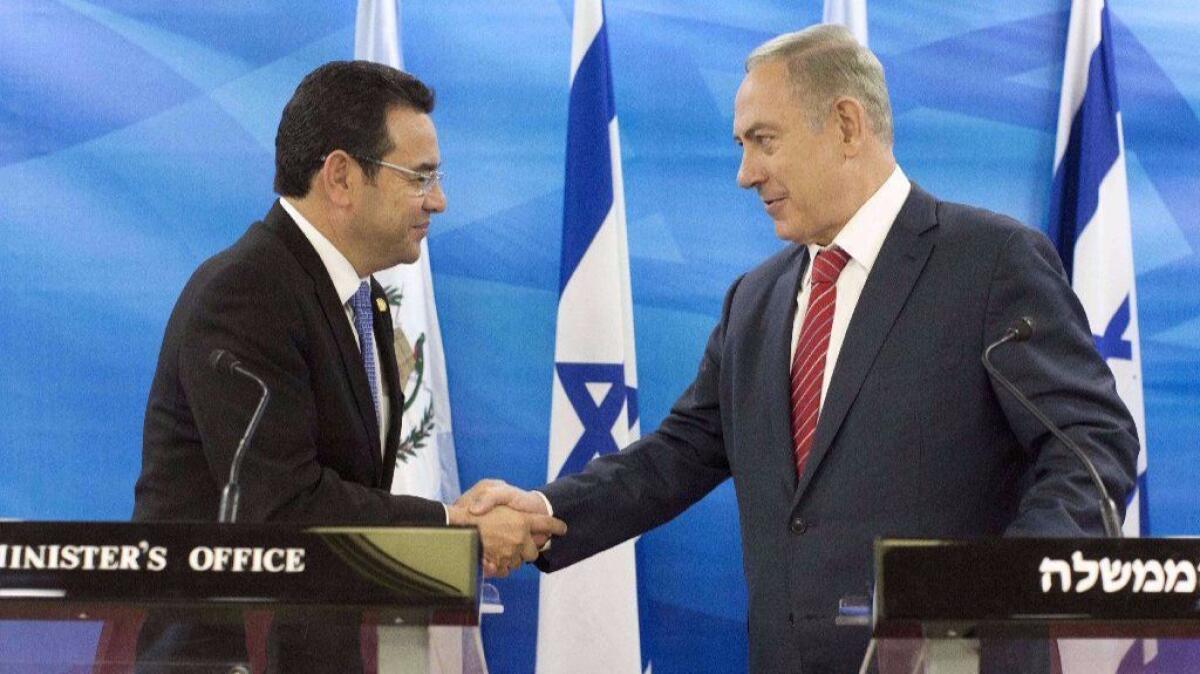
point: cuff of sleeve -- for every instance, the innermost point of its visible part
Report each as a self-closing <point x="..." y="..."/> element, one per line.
<point x="549" y="511"/>
<point x="446" y="509"/>
<point x="549" y="508"/>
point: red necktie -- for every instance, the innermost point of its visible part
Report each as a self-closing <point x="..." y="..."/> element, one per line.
<point x="808" y="364"/>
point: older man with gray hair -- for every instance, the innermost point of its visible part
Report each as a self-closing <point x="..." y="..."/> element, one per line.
<point x="842" y="389"/>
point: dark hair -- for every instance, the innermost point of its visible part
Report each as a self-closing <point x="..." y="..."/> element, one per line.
<point x="342" y="105"/>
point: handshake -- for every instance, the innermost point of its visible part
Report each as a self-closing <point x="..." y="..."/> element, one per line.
<point x="514" y="525"/>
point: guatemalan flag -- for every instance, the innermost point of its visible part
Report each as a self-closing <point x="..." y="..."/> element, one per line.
<point x="1089" y="223"/>
<point x="588" y="613"/>
<point x="426" y="463"/>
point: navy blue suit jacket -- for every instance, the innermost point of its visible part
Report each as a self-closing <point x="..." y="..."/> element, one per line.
<point x="913" y="440"/>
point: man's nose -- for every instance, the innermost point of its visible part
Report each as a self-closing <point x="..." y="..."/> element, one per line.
<point x="749" y="174"/>
<point x="435" y="199"/>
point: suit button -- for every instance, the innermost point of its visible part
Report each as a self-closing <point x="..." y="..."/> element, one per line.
<point x="798" y="525"/>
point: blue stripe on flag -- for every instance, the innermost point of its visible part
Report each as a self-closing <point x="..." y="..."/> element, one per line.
<point x="588" y="190"/>
<point x="1143" y="497"/>
<point x="1092" y="148"/>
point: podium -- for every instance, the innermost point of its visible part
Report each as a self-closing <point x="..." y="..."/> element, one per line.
<point x="946" y="606"/>
<point x="210" y="597"/>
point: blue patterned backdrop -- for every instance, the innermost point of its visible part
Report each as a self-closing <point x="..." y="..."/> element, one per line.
<point x="136" y="139"/>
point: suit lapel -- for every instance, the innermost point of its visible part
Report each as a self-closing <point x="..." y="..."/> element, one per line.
<point x="279" y="222"/>
<point x="888" y="286"/>
<point x="385" y="338"/>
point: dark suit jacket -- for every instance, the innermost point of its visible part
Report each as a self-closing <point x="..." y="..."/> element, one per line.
<point x="914" y="440"/>
<point x="269" y="301"/>
<point x="316" y="458"/>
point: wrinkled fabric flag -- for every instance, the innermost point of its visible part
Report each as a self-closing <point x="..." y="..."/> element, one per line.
<point x="588" y="613"/>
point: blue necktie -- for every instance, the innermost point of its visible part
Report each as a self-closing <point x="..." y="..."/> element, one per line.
<point x="364" y="323"/>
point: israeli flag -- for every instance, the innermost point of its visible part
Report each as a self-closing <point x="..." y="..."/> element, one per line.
<point x="1089" y="224"/>
<point x="588" y="614"/>
<point x="1089" y="216"/>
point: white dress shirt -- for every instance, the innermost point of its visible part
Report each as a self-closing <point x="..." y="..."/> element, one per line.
<point x="862" y="237"/>
<point x="345" y="282"/>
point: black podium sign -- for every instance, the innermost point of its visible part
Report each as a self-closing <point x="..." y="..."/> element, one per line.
<point x="416" y="574"/>
<point x="1090" y="587"/>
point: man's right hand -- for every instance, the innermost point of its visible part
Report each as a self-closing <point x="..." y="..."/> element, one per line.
<point x="487" y="494"/>
<point x="509" y="536"/>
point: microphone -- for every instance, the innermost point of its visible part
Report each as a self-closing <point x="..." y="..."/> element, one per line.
<point x="1021" y="330"/>
<point x="223" y="361"/>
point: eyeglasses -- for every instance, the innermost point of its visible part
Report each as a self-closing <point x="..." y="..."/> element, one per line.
<point x="425" y="180"/>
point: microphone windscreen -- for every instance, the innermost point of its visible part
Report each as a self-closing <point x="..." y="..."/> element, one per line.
<point x="1022" y="329"/>
<point x="222" y="361"/>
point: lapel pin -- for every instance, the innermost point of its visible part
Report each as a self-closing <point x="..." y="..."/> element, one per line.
<point x="381" y="304"/>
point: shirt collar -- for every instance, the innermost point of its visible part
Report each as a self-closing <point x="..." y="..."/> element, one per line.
<point x="863" y="235"/>
<point x="345" y="280"/>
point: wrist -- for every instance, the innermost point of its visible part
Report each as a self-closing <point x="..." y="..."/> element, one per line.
<point x="458" y="516"/>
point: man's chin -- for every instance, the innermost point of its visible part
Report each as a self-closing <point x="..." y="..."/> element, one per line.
<point x="404" y="258"/>
<point x="786" y="231"/>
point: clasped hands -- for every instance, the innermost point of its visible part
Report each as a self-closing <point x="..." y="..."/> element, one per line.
<point x="513" y="524"/>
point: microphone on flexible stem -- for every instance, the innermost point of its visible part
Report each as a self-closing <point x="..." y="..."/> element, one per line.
<point x="1019" y="331"/>
<point x="223" y="361"/>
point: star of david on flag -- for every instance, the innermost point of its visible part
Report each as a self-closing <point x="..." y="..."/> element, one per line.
<point x="598" y="394"/>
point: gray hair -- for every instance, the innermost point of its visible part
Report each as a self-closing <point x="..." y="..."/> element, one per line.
<point x="825" y="62"/>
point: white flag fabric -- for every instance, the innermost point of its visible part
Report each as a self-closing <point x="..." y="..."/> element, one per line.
<point x="1090" y="226"/>
<point x="426" y="464"/>
<point x="850" y="13"/>
<point x="588" y="613"/>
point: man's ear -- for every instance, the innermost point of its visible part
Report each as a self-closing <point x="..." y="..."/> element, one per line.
<point x="336" y="177"/>
<point x="852" y="125"/>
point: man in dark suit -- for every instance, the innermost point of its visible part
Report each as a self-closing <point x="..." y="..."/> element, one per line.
<point x="842" y="389"/>
<point x="357" y="173"/>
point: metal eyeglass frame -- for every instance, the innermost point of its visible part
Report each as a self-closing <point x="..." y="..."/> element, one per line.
<point x="426" y="180"/>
